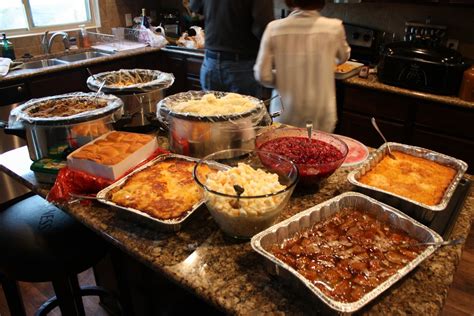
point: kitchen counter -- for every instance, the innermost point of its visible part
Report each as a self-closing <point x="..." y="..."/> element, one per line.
<point x="372" y="83"/>
<point x="229" y="275"/>
<point x="28" y="73"/>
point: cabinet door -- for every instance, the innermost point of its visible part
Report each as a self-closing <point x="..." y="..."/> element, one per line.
<point x="175" y="64"/>
<point x="448" y="145"/>
<point x="59" y="83"/>
<point x="127" y="63"/>
<point x="359" y="127"/>
<point x="446" y="119"/>
<point x="13" y="94"/>
<point x="378" y="104"/>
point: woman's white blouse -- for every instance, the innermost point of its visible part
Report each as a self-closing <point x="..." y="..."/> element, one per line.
<point x="297" y="56"/>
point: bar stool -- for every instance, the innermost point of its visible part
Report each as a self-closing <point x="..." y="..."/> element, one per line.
<point x="41" y="243"/>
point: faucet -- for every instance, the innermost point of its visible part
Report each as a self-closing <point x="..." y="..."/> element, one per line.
<point x="46" y="44"/>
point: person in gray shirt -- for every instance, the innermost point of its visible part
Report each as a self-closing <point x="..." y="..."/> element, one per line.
<point x="233" y="29"/>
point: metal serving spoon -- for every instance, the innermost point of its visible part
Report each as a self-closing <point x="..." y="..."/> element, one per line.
<point x="239" y="190"/>
<point x="309" y="128"/>
<point x="451" y="242"/>
<point x="374" y="124"/>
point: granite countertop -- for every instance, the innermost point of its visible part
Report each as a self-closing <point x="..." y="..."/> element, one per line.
<point x="372" y="82"/>
<point x="21" y="74"/>
<point x="228" y="274"/>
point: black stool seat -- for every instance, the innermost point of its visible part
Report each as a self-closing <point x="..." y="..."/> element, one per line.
<point x="39" y="242"/>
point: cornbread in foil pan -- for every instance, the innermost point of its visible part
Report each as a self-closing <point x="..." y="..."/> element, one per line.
<point x="391" y="250"/>
<point x="412" y="202"/>
<point x="161" y="193"/>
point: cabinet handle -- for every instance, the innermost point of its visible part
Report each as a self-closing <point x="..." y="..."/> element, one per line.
<point x="19" y="89"/>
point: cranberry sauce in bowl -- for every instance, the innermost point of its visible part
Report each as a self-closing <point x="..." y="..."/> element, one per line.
<point x="317" y="158"/>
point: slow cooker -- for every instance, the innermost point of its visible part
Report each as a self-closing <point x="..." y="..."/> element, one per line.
<point x="139" y="89"/>
<point x="200" y="135"/>
<point x="437" y="70"/>
<point x="55" y="126"/>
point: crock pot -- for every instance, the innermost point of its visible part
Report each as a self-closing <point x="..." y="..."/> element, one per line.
<point x="197" y="135"/>
<point x="437" y="70"/>
<point x="56" y="136"/>
<point x="139" y="89"/>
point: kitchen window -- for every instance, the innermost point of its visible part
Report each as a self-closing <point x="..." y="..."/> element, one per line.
<point x="19" y="17"/>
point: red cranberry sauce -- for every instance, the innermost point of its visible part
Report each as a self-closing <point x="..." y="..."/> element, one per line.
<point x="302" y="150"/>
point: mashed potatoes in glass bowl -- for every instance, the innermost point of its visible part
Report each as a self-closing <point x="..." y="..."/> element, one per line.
<point x="244" y="196"/>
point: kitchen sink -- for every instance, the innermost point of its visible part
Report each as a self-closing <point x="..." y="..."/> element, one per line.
<point x="82" y="56"/>
<point x="42" y="63"/>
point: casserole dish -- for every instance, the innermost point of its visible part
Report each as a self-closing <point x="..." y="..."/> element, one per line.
<point x="134" y="191"/>
<point x="420" y="211"/>
<point x="437" y="70"/>
<point x="55" y="126"/>
<point x="263" y="242"/>
<point x="198" y="135"/>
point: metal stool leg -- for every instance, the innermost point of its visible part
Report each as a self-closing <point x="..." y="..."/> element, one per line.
<point x="13" y="296"/>
<point x="68" y="297"/>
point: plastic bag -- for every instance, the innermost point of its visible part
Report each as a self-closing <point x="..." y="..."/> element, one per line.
<point x="79" y="182"/>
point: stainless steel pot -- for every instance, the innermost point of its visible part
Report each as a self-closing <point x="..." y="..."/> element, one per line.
<point x="139" y="89"/>
<point x="58" y="136"/>
<point x="139" y="108"/>
<point x="198" y="136"/>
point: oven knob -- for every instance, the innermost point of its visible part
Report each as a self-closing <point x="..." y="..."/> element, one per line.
<point x="356" y="35"/>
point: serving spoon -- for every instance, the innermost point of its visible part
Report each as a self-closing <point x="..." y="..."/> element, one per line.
<point x="451" y="242"/>
<point x="374" y="124"/>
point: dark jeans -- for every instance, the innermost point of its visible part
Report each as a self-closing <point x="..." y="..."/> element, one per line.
<point x="230" y="76"/>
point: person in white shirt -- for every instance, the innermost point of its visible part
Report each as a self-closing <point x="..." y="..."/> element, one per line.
<point x="297" y="56"/>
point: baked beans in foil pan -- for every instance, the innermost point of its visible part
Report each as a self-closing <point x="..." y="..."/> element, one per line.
<point x="344" y="252"/>
<point x="166" y="182"/>
<point x="413" y="194"/>
<point x="126" y="81"/>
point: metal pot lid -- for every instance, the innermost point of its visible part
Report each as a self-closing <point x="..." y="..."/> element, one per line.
<point x="169" y="107"/>
<point x="438" y="55"/>
<point x="65" y="109"/>
<point x="126" y="81"/>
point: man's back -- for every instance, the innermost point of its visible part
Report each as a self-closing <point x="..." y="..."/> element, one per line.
<point x="234" y="25"/>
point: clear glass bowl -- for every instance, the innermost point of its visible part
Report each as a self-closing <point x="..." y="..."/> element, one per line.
<point x="245" y="215"/>
<point x="310" y="173"/>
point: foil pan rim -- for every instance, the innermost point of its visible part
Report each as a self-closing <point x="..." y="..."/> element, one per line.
<point x="102" y="194"/>
<point x="368" y="297"/>
<point x="378" y="154"/>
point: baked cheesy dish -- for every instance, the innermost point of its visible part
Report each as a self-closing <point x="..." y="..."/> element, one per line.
<point x="124" y="79"/>
<point x="210" y="105"/>
<point x="165" y="190"/>
<point x="343" y="68"/>
<point x="65" y="107"/>
<point x="415" y="178"/>
<point x="113" y="148"/>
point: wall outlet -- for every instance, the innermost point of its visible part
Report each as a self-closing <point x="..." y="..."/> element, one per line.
<point x="128" y="19"/>
<point x="452" y="43"/>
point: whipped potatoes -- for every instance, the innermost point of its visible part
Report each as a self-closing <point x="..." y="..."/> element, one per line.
<point x="210" y="105"/>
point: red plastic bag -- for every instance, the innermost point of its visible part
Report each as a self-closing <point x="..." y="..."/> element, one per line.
<point x="74" y="181"/>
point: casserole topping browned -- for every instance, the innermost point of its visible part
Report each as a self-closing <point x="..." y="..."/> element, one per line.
<point x="113" y="148"/>
<point x="348" y="254"/>
<point x="65" y="107"/>
<point x="165" y="190"/>
<point x="415" y="178"/>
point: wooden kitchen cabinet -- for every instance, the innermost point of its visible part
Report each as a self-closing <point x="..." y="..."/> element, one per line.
<point x="13" y="93"/>
<point x="441" y="127"/>
<point x="185" y="69"/>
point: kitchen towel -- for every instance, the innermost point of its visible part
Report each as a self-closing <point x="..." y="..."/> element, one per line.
<point x="4" y="66"/>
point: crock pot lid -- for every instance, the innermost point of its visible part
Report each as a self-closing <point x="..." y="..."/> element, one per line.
<point x="18" y="116"/>
<point x="441" y="55"/>
<point x="165" y="105"/>
<point x="148" y="80"/>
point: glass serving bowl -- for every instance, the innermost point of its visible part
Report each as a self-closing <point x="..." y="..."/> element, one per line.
<point x="316" y="159"/>
<point x="262" y="200"/>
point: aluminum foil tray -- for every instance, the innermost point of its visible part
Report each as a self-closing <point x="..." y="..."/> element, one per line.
<point x="422" y="212"/>
<point x="282" y="231"/>
<point x="142" y="217"/>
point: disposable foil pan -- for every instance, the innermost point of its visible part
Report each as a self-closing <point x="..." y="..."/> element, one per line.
<point x="282" y="231"/>
<point x="420" y="211"/>
<point x="142" y="217"/>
